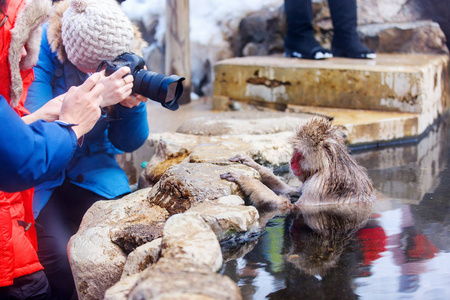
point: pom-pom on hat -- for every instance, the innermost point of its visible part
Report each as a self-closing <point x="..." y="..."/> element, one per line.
<point x="95" y="30"/>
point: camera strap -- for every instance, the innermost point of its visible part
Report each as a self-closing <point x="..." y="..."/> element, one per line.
<point x="103" y="64"/>
<point x="72" y="75"/>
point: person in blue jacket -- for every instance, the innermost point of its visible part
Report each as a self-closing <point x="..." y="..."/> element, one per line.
<point x="79" y="35"/>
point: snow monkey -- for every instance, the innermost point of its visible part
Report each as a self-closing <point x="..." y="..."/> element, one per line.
<point x="321" y="160"/>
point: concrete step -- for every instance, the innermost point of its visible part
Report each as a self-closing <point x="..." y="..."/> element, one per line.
<point x="369" y="128"/>
<point x="411" y="87"/>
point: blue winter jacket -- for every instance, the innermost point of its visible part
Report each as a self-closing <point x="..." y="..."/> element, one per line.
<point x="31" y="153"/>
<point x="93" y="165"/>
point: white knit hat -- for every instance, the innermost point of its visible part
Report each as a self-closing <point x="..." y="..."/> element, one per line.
<point x="95" y="30"/>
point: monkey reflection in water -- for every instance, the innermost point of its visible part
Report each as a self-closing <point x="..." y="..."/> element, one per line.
<point x="335" y="196"/>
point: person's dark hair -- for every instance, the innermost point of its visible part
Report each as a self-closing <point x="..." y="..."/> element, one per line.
<point x="3" y="4"/>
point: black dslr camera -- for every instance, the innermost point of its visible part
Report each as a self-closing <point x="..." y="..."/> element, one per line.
<point x="155" y="86"/>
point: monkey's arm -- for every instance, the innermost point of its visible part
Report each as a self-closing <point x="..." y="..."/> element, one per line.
<point x="258" y="194"/>
<point x="267" y="177"/>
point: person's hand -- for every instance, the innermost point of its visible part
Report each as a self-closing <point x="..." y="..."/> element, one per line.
<point x="118" y="86"/>
<point x="48" y="112"/>
<point x="81" y="105"/>
<point x="133" y="100"/>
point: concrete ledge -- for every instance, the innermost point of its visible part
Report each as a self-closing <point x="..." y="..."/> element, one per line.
<point x="370" y="127"/>
<point x="411" y="83"/>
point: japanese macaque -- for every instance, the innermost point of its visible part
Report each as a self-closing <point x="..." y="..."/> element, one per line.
<point x="321" y="160"/>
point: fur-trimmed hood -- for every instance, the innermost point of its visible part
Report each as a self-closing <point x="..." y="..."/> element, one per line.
<point x="54" y="34"/>
<point x="27" y="31"/>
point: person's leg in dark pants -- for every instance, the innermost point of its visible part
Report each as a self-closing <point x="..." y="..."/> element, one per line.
<point x="300" y="41"/>
<point x="56" y="223"/>
<point x="31" y="287"/>
<point x="346" y="42"/>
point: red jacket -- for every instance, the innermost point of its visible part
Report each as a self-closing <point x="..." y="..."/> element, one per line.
<point x="17" y="234"/>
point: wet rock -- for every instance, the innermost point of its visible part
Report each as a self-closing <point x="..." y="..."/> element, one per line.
<point x="227" y="221"/>
<point x="97" y="262"/>
<point x="142" y="257"/>
<point x="167" y="153"/>
<point x="413" y="37"/>
<point x="190" y="244"/>
<point x="134" y="231"/>
<point x="239" y="249"/>
<point x="229" y="200"/>
<point x="121" y="290"/>
<point x="163" y="283"/>
<point x="270" y="149"/>
<point x="170" y="149"/>
<point x="189" y="184"/>
<point x="107" y="213"/>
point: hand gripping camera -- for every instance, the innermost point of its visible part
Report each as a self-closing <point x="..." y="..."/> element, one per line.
<point x="155" y="86"/>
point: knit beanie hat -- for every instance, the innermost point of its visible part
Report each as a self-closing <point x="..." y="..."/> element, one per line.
<point x="95" y="30"/>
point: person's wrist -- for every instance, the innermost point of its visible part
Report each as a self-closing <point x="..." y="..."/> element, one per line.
<point x="69" y="125"/>
<point x="28" y="119"/>
<point x="75" y="129"/>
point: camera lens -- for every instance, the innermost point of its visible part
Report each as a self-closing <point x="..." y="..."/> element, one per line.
<point x="171" y="91"/>
<point x="159" y="87"/>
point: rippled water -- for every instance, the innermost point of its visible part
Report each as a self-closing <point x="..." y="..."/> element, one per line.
<point x="401" y="253"/>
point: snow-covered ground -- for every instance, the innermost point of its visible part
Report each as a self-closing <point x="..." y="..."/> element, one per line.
<point x="212" y="22"/>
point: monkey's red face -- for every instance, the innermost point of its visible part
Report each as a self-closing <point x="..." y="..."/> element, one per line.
<point x="295" y="164"/>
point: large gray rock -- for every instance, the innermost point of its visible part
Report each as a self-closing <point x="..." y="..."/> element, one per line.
<point x="189" y="240"/>
<point x="227" y="221"/>
<point x="142" y="257"/>
<point x="188" y="255"/>
<point x="412" y="37"/>
<point x="107" y="213"/>
<point x="388" y="11"/>
<point x="169" y="283"/>
<point x="121" y="290"/>
<point x="218" y="153"/>
<point x="136" y="230"/>
<point x="167" y="153"/>
<point x="96" y="261"/>
<point x="186" y="185"/>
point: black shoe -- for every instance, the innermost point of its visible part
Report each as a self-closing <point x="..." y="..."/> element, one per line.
<point x="315" y="53"/>
<point x="360" y="53"/>
<point x="346" y="42"/>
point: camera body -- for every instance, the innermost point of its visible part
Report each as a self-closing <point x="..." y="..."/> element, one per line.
<point x="155" y="86"/>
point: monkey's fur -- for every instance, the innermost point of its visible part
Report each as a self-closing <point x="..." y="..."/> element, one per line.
<point x="321" y="160"/>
